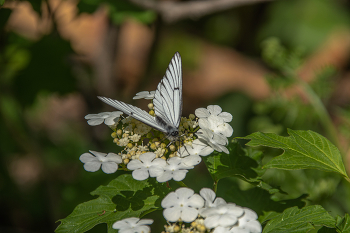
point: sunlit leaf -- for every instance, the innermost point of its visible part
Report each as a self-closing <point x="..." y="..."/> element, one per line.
<point x="122" y="198"/>
<point x="303" y="220"/>
<point x="302" y="150"/>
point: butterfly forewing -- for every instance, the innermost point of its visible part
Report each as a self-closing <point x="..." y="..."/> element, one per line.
<point x="134" y="112"/>
<point x="168" y="97"/>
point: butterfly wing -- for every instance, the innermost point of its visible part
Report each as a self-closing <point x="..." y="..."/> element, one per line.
<point x="134" y="112"/>
<point x="168" y="96"/>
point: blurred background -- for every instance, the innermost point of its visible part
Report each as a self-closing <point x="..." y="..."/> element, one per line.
<point x="272" y="64"/>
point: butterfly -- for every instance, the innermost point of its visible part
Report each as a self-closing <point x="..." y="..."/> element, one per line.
<point x="167" y="103"/>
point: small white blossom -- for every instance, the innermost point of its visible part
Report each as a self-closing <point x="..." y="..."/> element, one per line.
<point x="216" y="141"/>
<point x="214" y="110"/>
<point x="93" y="162"/>
<point x="248" y="222"/>
<point x="123" y="141"/>
<point x="159" y="152"/>
<point x="217" y="125"/>
<point x="109" y="118"/>
<point x="174" y="170"/>
<point x="145" y="95"/>
<point x="133" y="225"/>
<point x="209" y="197"/>
<point x="225" y="215"/>
<point x="197" y="148"/>
<point x="182" y="205"/>
<point x="135" y="137"/>
<point x="146" y="166"/>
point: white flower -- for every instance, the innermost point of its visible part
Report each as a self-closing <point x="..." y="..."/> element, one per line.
<point x="248" y="222"/>
<point x="110" y="118"/>
<point x="217" y="125"/>
<point x="146" y="166"/>
<point x="214" y="110"/>
<point x="182" y="205"/>
<point x="216" y="141"/>
<point x="92" y="162"/>
<point x="174" y="170"/>
<point x="133" y="225"/>
<point x="225" y="215"/>
<point x="209" y="197"/>
<point x="144" y="95"/>
<point x="123" y="141"/>
<point x="197" y="148"/>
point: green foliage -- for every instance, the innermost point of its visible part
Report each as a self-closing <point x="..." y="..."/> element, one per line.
<point x="302" y="150"/>
<point x="49" y="70"/>
<point x="295" y="220"/>
<point x="304" y="23"/>
<point x="122" y="198"/>
<point x="343" y="224"/>
<point x="118" y="11"/>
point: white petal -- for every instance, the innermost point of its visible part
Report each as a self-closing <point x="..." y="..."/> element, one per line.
<point x="92" y="166"/>
<point x="191" y="160"/>
<point x="135" y="164"/>
<point x="172" y="214"/>
<point x="206" y="151"/>
<point x="221" y="229"/>
<point x="189" y="214"/>
<point x="111" y="120"/>
<point x="170" y="200"/>
<point x="147" y="157"/>
<point x="227" y="117"/>
<point x="96" y="121"/>
<point x="208" y="195"/>
<point x="179" y="175"/>
<point x="112" y="157"/>
<point x="109" y="167"/>
<point x="184" y="192"/>
<point x="211" y="221"/>
<point x="145" y="222"/>
<point x="253" y="226"/>
<point x="167" y="175"/>
<point x="155" y="171"/>
<point x="238" y="230"/>
<point x="140" y="174"/>
<point x="87" y="157"/>
<point x="227" y="220"/>
<point x="204" y="123"/>
<point x="196" y="201"/>
<point x="202" y="113"/>
<point x="214" y="109"/>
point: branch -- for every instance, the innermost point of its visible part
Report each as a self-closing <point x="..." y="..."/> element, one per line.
<point x="175" y="11"/>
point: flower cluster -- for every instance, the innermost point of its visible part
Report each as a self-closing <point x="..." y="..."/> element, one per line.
<point x="148" y="153"/>
<point x="203" y="212"/>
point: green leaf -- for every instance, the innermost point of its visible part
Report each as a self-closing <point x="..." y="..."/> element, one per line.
<point x="295" y="220"/>
<point x="2" y="2"/>
<point x="122" y="198"/>
<point x="257" y="198"/>
<point x="343" y="224"/>
<point x="302" y="150"/>
<point x="237" y="163"/>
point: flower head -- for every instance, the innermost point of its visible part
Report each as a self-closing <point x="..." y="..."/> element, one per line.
<point x="174" y="170"/>
<point x="133" y="225"/>
<point x="224" y="215"/>
<point x="109" y="118"/>
<point x="93" y="162"/>
<point x="182" y="205"/>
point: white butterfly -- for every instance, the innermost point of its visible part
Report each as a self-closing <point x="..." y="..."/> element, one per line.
<point x="167" y="102"/>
